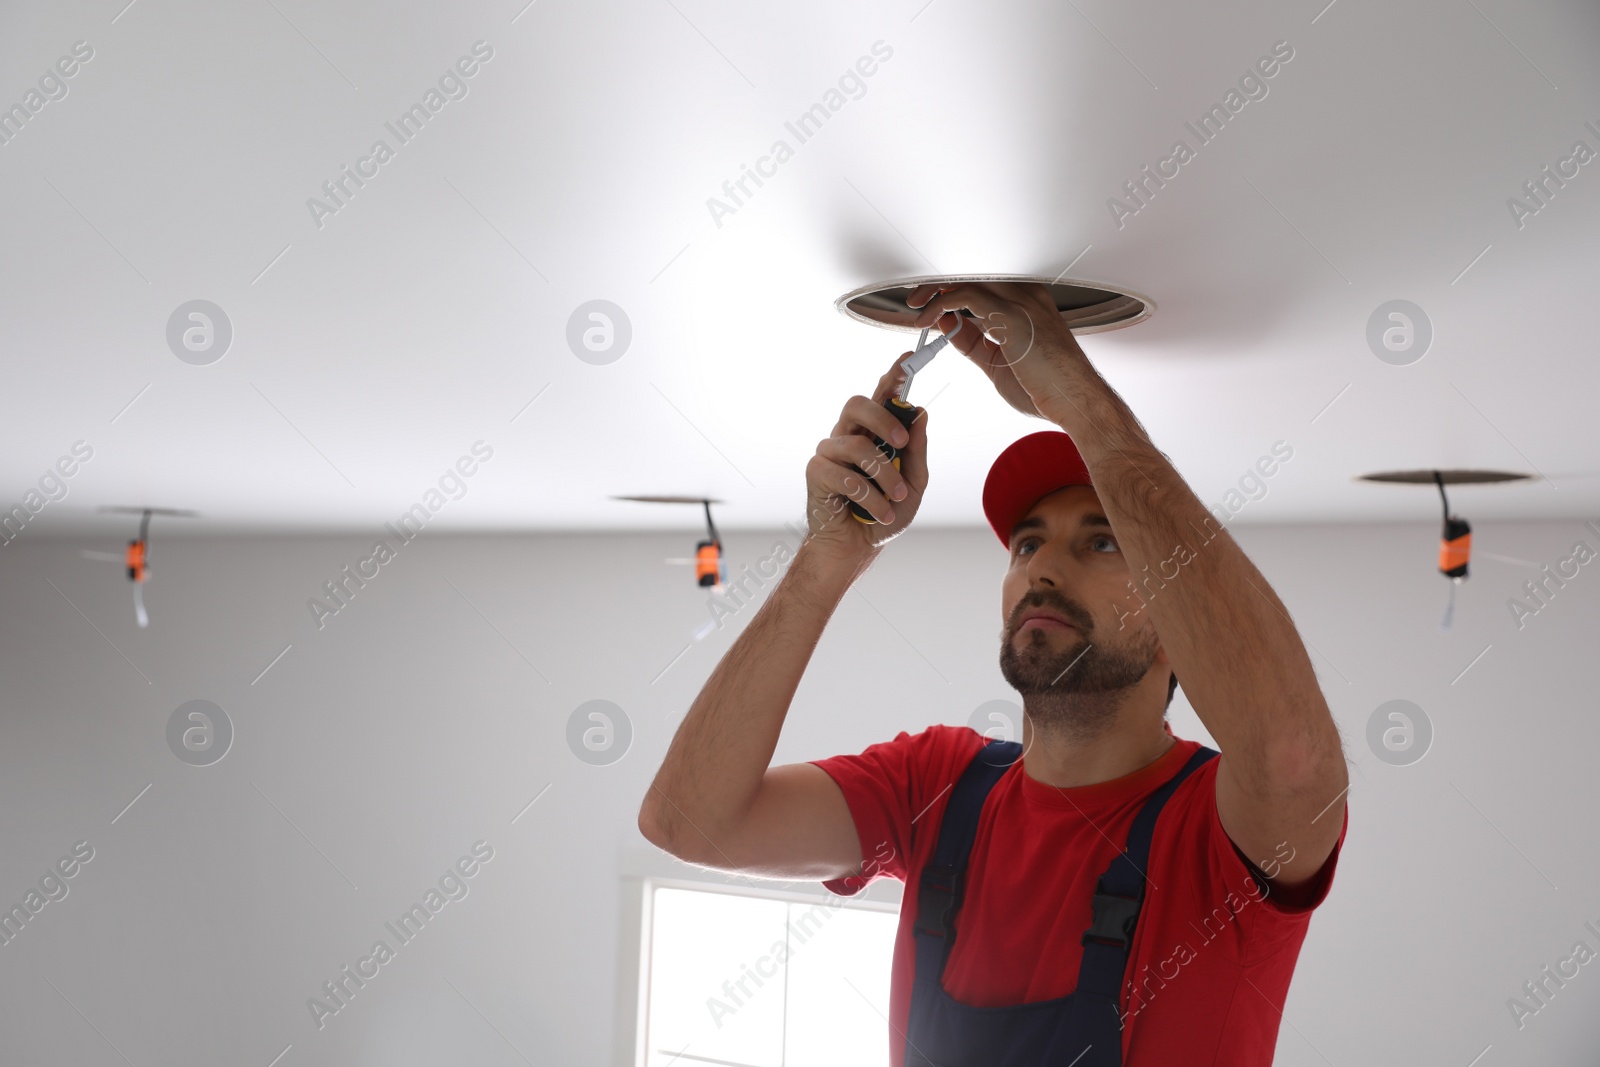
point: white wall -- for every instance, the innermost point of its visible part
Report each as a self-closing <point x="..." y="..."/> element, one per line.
<point x="376" y="751"/>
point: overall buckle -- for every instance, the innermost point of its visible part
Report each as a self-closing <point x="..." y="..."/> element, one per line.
<point x="1114" y="919"/>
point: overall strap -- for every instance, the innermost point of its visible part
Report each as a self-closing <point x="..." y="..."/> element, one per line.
<point x="1120" y="894"/>
<point x="940" y="889"/>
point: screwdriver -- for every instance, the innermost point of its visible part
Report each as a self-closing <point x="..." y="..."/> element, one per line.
<point x="902" y="409"/>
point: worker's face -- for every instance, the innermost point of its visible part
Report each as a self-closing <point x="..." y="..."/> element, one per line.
<point x="1066" y="560"/>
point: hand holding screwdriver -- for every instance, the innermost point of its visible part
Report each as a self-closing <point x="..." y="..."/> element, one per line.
<point x="902" y="409"/>
<point x="834" y="478"/>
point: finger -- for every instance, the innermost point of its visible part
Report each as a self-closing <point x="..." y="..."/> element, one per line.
<point x="1004" y="337"/>
<point x="837" y="479"/>
<point x="921" y="294"/>
<point x="977" y="299"/>
<point x="1003" y="322"/>
<point x="970" y="341"/>
<point x="862" y="415"/>
<point x="891" y="379"/>
<point x="859" y="452"/>
<point x="968" y="336"/>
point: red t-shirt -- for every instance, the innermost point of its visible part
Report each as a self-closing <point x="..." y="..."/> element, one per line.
<point x="1213" y="950"/>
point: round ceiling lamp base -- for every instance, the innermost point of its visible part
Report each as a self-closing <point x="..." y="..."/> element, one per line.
<point x="1088" y="307"/>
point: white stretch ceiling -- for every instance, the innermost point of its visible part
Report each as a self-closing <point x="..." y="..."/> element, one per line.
<point x="372" y="346"/>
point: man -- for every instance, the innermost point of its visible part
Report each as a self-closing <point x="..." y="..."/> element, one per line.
<point x="1101" y="893"/>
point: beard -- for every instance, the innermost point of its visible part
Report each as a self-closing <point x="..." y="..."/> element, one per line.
<point x="1072" y="683"/>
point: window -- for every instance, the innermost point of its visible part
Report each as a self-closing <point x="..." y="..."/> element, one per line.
<point x="751" y="979"/>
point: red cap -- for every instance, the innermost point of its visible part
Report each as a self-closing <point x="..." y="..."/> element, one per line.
<point x="1028" y="470"/>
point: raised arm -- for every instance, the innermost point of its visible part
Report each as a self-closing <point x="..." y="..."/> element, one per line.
<point x="1282" y="778"/>
<point x="716" y="801"/>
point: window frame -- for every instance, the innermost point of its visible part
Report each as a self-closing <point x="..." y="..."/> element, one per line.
<point x="732" y="885"/>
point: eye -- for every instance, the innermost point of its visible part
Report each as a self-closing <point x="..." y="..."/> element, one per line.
<point x="1025" y="544"/>
<point x="1105" y="539"/>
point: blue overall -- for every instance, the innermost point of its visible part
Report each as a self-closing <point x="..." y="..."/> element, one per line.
<point x="1081" y="1029"/>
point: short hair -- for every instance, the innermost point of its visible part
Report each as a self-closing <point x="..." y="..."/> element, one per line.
<point x="1172" y="687"/>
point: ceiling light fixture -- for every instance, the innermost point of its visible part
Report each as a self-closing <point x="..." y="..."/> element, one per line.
<point x="1088" y="307"/>
<point x="710" y="569"/>
<point x="136" y="559"/>
<point x="1455" y="539"/>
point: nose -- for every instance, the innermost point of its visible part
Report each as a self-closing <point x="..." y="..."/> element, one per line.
<point x="1043" y="568"/>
